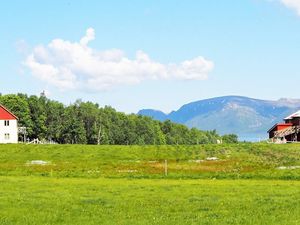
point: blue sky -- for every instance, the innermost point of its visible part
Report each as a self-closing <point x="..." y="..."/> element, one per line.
<point x="150" y="54"/>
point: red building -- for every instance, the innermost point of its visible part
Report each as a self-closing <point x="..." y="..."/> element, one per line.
<point x="289" y="131"/>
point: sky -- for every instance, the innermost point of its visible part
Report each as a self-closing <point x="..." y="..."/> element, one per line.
<point x="156" y="54"/>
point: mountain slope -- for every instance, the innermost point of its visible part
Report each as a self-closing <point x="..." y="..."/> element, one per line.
<point x="158" y="115"/>
<point x="249" y="118"/>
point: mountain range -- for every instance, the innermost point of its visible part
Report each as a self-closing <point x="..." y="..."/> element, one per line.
<point x="249" y="118"/>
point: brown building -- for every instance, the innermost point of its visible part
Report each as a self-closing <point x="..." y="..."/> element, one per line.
<point x="289" y="131"/>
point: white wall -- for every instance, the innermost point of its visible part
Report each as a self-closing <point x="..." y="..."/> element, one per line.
<point x="12" y="130"/>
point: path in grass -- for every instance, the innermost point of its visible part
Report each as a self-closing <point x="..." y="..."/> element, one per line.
<point x="39" y="200"/>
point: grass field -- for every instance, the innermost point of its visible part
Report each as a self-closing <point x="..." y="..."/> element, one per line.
<point x="247" y="184"/>
<point x="36" y="200"/>
<point x="248" y="161"/>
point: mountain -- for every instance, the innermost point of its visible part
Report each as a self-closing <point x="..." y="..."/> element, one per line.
<point x="156" y="114"/>
<point x="247" y="117"/>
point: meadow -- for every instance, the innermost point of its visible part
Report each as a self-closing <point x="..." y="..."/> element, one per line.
<point x="205" y="184"/>
<point x="235" y="161"/>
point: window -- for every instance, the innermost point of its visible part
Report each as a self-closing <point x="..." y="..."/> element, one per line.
<point x="6" y="123"/>
<point x="6" y="136"/>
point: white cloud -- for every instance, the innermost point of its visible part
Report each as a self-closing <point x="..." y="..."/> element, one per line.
<point x="74" y="65"/>
<point x="90" y="35"/>
<point x="292" y="4"/>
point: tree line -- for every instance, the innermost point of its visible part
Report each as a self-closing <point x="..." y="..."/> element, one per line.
<point x="87" y="123"/>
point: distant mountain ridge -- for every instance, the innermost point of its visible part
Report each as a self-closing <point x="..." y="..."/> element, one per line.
<point x="248" y="117"/>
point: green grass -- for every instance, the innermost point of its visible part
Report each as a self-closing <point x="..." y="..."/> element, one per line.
<point x="36" y="200"/>
<point x="248" y="161"/>
<point x="126" y="185"/>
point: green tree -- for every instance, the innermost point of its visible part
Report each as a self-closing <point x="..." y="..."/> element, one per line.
<point x="88" y="112"/>
<point x="230" y="138"/>
<point x="73" y="131"/>
<point x="38" y="114"/>
<point x="19" y="106"/>
<point x="54" y="120"/>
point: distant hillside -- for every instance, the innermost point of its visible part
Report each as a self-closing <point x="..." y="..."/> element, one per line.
<point x="249" y="118"/>
<point x="158" y="115"/>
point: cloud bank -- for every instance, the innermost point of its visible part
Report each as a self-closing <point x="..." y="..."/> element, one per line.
<point x="74" y="65"/>
<point x="292" y="4"/>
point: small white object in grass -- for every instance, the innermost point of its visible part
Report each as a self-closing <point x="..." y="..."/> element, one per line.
<point x="197" y="160"/>
<point x="93" y="171"/>
<point x="127" y="171"/>
<point x="288" y="167"/>
<point x="212" y="158"/>
<point x="37" y="162"/>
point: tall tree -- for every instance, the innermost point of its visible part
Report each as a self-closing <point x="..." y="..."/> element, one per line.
<point x="19" y="106"/>
<point x="54" y="121"/>
<point x="38" y="114"/>
<point x="73" y="131"/>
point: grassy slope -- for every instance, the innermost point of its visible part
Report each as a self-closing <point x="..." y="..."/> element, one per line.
<point x="259" y="161"/>
<point x="97" y="185"/>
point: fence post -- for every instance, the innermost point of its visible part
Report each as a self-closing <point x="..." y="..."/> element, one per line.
<point x="166" y="167"/>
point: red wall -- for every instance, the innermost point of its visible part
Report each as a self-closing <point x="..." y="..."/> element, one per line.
<point x="283" y="126"/>
<point x="280" y="126"/>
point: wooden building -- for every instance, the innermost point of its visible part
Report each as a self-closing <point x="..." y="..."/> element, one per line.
<point x="289" y="131"/>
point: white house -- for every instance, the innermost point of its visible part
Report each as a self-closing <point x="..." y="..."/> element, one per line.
<point x="8" y="126"/>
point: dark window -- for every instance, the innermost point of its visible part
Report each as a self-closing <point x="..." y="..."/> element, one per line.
<point x="6" y="136"/>
<point x="6" y="123"/>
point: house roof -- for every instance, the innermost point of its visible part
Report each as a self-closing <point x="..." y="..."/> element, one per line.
<point x="296" y="114"/>
<point x="5" y="114"/>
